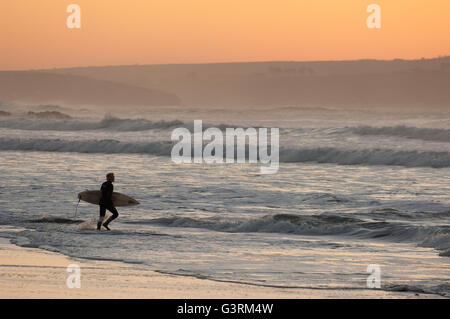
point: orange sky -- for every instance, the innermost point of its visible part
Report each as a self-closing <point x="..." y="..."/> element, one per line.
<point x="33" y="34"/>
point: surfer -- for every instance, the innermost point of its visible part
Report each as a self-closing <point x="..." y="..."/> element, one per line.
<point x="106" y="202"/>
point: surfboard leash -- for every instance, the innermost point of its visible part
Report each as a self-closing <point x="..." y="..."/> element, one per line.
<point x="76" y="209"/>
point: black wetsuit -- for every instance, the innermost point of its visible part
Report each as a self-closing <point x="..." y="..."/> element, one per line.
<point x="106" y="202"/>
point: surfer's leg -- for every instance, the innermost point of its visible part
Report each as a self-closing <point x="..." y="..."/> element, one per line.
<point x="102" y="216"/>
<point x="115" y="214"/>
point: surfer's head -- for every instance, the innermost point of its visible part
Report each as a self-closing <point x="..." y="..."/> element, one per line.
<point x="110" y="177"/>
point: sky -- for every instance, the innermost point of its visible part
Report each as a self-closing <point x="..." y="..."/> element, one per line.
<point x="34" y="34"/>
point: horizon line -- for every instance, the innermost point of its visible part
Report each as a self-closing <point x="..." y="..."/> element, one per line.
<point x="229" y="62"/>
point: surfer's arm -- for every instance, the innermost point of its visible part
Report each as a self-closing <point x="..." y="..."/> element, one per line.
<point x="108" y="192"/>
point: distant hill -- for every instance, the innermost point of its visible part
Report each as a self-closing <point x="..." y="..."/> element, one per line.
<point x="360" y="83"/>
<point x="66" y="89"/>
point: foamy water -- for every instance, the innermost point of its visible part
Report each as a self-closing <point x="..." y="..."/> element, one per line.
<point x="350" y="192"/>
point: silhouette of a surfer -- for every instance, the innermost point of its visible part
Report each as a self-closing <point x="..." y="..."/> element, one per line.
<point x="106" y="202"/>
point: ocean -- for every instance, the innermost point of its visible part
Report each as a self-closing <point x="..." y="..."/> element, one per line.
<point x="354" y="189"/>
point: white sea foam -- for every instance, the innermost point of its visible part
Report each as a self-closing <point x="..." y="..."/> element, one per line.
<point x="387" y="157"/>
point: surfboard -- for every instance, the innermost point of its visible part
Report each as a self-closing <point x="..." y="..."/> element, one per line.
<point x="119" y="200"/>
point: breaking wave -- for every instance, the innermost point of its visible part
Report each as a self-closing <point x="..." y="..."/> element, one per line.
<point x="437" y="237"/>
<point x="387" y="157"/>
<point x="108" y="123"/>
<point x="108" y="146"/>
<point x="426" y="134"/>
<point x="392" y="213"/>
<point x="366" y="157"/>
